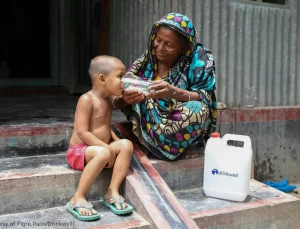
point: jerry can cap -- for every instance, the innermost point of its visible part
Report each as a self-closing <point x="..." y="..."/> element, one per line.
<point x="215" y="135"/>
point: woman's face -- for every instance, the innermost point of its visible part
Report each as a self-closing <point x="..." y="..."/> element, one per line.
<point x="167" y="45"/>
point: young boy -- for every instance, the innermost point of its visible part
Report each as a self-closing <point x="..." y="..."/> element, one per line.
<point x="93" y="145"/>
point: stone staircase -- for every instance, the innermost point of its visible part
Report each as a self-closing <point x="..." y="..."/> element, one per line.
<point x="35" y="189"/>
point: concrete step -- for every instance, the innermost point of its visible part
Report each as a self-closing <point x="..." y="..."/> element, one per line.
<point x="38" y="110"/>
<point x="38" y="138"/>
<point x="23" y="140"/>
<point x="59" y="218"/>
<point x="41" y="182"/>
<point x="265" y="208"/>
<point x="184" y="173"/>
<point x="38" y="182"/>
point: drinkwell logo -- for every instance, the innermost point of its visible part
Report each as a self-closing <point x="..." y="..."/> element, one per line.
<point x="217" y="172"/>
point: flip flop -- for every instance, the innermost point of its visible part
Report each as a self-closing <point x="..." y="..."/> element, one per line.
<point x="110" y="203"/>
<point x="282" y="185"/>
<point x="72" y="208"/>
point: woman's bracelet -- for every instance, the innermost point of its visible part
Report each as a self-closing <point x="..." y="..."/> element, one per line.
<point x="113" y="102"/>
<point x="189" y="95"/>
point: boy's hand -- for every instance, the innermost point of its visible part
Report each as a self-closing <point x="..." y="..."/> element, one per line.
<point x="114" y="136"/>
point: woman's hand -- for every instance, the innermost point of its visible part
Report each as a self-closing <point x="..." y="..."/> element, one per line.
<point x="162" y="90"/>
<point x="133" y="96"/>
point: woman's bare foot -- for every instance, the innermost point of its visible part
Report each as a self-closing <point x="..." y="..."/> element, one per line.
<point x="82" y="211"/>
<point x="194" y="150"/>
<point x="114" y="194"/>
<point x="189" y="154"/>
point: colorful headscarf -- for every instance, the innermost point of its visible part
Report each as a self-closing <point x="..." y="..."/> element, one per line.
<point x="180" y="23"/>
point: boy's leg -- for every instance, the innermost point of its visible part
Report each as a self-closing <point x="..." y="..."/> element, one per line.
<point x="124" y="150"/>
<point x="96" y="157"/>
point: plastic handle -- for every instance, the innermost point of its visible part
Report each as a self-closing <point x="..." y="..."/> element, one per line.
<point x="243" y="138"/>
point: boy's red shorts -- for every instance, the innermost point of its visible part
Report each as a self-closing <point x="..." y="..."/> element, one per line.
<point x="75" y="156"/>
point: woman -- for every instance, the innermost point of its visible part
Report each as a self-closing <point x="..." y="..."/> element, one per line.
<point x="182" y="108"/>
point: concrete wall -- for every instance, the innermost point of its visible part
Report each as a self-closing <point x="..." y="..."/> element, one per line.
<point x="275" y="135"/>
<point x="254" y="44"/>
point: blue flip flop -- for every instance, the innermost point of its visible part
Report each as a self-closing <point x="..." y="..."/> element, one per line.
<point x="72" y="208"/>
<point x="110" y="203"/>
<point x="282" y="185"/>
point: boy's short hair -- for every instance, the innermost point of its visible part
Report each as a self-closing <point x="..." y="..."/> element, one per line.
<point x="100" y="65"/>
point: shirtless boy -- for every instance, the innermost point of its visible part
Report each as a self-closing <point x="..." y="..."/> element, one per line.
<point x="93" y="145"/>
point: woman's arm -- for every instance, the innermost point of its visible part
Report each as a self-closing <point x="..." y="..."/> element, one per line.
<point x="185" y="95"/>
<point x="164" y="90"/>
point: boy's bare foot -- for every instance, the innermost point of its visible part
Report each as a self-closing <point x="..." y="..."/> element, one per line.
<point x="109" y="195"/>
<point x="82" y="211"/>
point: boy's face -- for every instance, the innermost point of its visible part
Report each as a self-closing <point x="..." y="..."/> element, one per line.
<point x="113" y="81"/>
